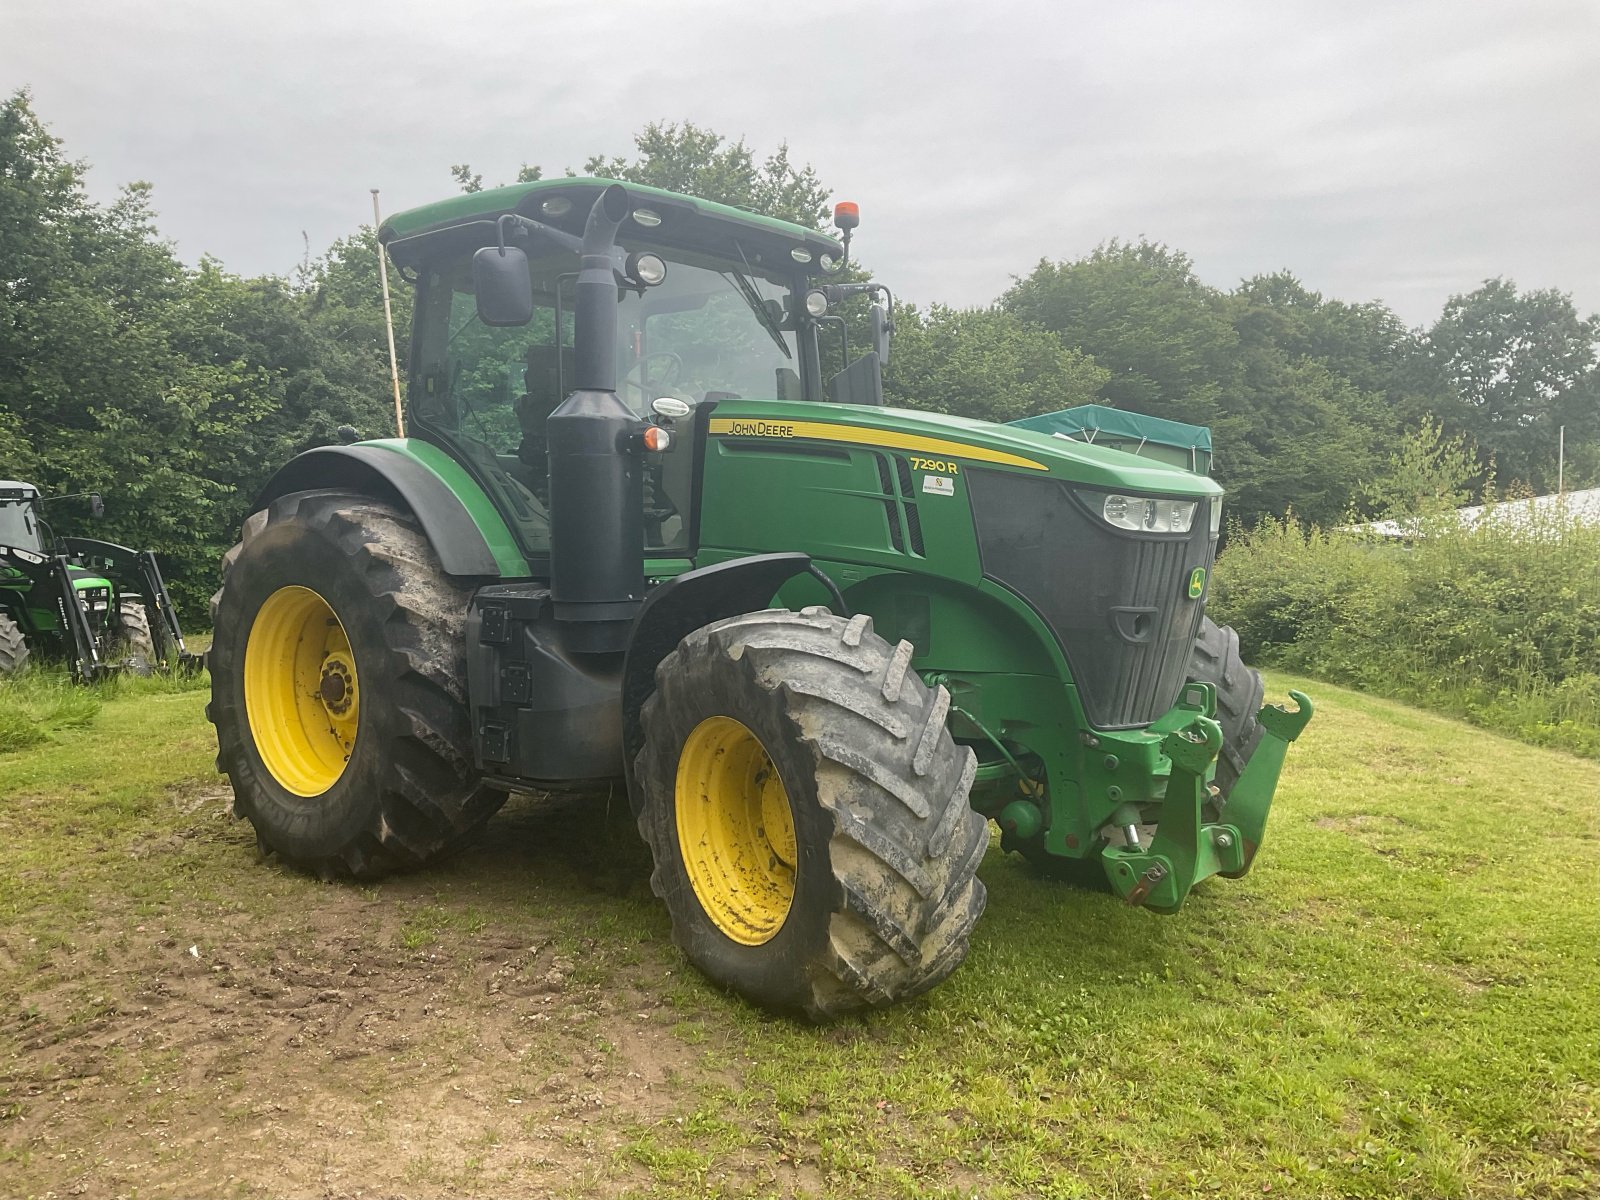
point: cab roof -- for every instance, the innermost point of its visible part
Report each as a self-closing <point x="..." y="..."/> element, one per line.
<point x="685" y="221"/>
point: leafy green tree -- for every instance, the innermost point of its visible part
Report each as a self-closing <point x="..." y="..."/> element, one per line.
<point x="1278" y="376"/>
<point x="1522" y="364"/>
<point x="1366" y="345"/>
<point x="984" y="363"/>
<point x="1428" y="473"/>
<point x="1140" y="312"/>
<point x="173" y="392"/>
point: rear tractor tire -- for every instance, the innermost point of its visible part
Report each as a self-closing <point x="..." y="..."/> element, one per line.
<point x="338" y="688"/>
<point x="807" y="812"/>
<point x="13" y="648"/>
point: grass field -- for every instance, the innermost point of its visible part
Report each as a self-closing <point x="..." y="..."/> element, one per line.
<point x="1402" y="999"/>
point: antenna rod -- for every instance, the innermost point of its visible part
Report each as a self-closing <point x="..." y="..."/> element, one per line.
<point x="388" y="320"/>
<point x="1561" y="461"/>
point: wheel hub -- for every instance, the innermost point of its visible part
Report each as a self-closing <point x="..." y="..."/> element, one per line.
<point x="735" y="831"/>
<point x="337" y="688"/>
<point x="302" y="694"/>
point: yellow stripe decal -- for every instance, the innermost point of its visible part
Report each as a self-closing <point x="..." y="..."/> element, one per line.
<point x="827" y="431"/>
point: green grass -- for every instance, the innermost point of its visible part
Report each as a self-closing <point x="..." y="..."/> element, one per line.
<point x="43" y="701"/>
<point x="1400" y="1000"/>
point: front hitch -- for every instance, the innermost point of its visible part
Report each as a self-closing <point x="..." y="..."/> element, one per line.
<point x="1186" y="849"/>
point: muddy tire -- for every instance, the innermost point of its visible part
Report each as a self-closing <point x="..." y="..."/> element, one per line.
<point x="1240" y="694"/>
<point x="807" y="813"/>
<point x="128" y="639"/>
<point x="13" y="648"/>
<point x="338" y="688"/>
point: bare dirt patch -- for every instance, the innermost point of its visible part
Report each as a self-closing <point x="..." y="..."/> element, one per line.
<point x="455" y="1031"/>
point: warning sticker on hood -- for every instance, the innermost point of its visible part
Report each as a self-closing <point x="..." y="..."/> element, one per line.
<point x="939" y="485"/>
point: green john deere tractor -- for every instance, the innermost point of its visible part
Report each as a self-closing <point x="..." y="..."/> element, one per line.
<point x="639" y="532"/>
<point x="102" y="607"/>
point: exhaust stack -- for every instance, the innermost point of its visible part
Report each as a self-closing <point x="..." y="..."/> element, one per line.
<point x="596" y="476"/>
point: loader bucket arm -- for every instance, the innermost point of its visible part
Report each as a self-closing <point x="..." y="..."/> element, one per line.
<point x="76" y="635"/>
<point x="139" y="572"/>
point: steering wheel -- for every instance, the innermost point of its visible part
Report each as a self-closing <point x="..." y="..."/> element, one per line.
<point x="639" y="375"/>
<point x="674" y="367"/>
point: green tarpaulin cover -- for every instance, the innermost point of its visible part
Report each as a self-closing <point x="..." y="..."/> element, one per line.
<point x="1129" y="431"/>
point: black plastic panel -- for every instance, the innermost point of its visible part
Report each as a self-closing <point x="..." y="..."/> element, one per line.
<point x="540" y="711"/>
<point x="1118" y="602"/>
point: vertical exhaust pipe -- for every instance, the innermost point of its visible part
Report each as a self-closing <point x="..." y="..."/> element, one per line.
<point x="596" y="476"/>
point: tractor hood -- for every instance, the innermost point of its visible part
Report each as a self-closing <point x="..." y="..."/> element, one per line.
<point x="938" y="437"/>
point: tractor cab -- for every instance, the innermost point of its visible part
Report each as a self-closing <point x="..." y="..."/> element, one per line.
<point x="712" y="304"/>
<point x="19" y="526"/>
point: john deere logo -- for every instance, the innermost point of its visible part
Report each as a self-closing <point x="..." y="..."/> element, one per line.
<point x="1197" y="582"/>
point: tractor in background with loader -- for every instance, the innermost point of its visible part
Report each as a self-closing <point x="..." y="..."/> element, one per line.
<point x="101" y="607"/>
<point x="638" y="532"/>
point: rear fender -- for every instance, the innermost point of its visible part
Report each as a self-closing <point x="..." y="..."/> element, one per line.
<point x="466" y="532"/>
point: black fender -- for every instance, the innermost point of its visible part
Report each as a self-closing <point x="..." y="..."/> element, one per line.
<point x="455" y="536"/>
<point x="682" y="605"/>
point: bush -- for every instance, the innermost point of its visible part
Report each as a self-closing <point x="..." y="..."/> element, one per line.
<point x="1499" y="623"/>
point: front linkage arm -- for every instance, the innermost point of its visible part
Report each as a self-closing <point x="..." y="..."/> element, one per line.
<point x="1186" y="849"/>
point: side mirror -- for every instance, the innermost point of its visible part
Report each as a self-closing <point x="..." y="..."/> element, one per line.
<point x="97" y="506"/>
<point x="882" y="327"/>
<point x="503" y="287"/>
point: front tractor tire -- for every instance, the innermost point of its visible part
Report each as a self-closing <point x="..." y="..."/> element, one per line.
<point x="128" y="637"/>
<point x="1240" y="695"/>
<point x="338" y="688"/>
<point x="807" y="812"/>
<point x="13" y="647"/>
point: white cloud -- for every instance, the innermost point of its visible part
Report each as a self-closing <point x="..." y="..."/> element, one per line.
<point x="1397" y="151"/>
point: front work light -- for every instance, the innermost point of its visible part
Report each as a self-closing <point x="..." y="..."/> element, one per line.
<point x="817" y="302"/>
<point x="648" y="269"/>
<point x="1148" y="514"/>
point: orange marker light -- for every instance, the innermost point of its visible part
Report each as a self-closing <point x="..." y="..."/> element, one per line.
<point x="656" y="438"/>
<point x="846" y="214"/>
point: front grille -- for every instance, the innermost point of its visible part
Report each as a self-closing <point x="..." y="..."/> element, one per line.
<point x="1117" y="602"/>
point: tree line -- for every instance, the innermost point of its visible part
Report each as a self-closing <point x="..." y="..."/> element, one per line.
<point x="177" y="390"/>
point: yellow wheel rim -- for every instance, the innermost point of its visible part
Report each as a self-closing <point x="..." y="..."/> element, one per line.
<point x="736" y="830"/>
<point x="301" y="696"/>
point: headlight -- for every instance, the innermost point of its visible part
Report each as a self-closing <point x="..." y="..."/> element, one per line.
<point x="1216" y="516"/>
<point x="1148" y="514"/>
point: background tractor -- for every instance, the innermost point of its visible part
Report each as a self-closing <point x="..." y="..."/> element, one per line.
<point x="101" y="607"/>
<point x="640" y="532"/>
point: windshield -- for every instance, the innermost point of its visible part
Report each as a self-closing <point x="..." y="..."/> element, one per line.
<point x="708" y="332"/>
<point x="17" y="526"/>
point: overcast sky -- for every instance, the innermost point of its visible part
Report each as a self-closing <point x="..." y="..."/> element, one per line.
<point x="1399" y="151"/>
